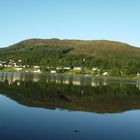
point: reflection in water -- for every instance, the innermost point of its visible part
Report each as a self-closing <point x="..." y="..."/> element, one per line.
<point x="69" y="92"/>
<point x="79" y="81"/>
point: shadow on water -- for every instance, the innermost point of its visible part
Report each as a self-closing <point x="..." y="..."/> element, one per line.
<point x="71" y="93"/>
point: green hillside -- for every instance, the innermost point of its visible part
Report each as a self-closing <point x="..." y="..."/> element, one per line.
<point x="106" y="55"/>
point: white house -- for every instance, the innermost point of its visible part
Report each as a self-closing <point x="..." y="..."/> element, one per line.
<point x="78" y="68"/>
<point x="5" y="65"/>
<point x="23" y="66"/>
<point x="11" y="60"/>
<point x="37" y="71"/>
<point x="58" y="68"/>
<point x="53" y="71"/>
<point x="18" y="69"/>
<point x="105" y="73"/>
<point x="14" y="64"/>
<point x="36" y="67"/>
<point x="94" y="69"/>
<point x="19" y="60"/>
<point x="4" y="62"/>
<point x="66" y="68"/>
<point x="84" y="59"/>
<point x="9" y="66"/>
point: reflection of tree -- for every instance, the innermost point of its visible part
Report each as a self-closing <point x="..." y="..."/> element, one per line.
<point x="113" y="97"/>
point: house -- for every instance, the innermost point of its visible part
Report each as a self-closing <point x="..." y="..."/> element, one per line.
<point x="27" y="66"/>
<point x="78" y="68"/>
<point x="84" y="59"/>
<point x="95" y="69"/>
<point x="23" y="66"/>
<point x="18" y="68"/>
<point x="58" y="68"/>
<point x="66" y="68"/>
<point x="53" y="71"/>
<point x="37" y="71"/>
<point x="9" y="66"/>
<point x="105" y="73"/>
<point x="36" y="67"/>
<point x="19" y="60"/>
<point x="4" y="62"/>
<point x="11" y="60"/>
<point x="10" y="63"/>
<point x="14" y="64"/>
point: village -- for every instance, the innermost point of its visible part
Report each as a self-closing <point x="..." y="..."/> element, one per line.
<point x="12" y="65"/>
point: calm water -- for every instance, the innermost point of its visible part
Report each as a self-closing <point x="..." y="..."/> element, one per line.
<point x="49" y="107"/>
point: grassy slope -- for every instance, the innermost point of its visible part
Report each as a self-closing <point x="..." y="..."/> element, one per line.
<point x="80" y="47"/>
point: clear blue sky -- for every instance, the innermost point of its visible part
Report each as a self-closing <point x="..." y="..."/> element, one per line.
<point x="70" y="19"/>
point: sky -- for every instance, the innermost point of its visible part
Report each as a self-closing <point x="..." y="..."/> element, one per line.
<point x="70" y="19"/>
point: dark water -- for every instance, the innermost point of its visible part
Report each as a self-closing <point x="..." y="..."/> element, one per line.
<point x="49" y="107"/>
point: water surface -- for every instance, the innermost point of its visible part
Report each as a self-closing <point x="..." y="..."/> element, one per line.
<point x="50" y="107"/>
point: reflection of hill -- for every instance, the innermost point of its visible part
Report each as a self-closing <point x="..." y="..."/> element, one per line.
<point x="53" y="93"/>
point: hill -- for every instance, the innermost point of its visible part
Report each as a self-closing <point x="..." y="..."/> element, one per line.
<point x="107" y="55"/>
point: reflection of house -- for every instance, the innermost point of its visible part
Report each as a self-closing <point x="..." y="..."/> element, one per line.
<point x="66" y="82"/>
<point x="138" y="74"/>
<point x="18" y="83"/>
<point x="36" y="78"/>
<point x="77" y="83"/>
<point x="104" y="83"/>
<point x="93" y="84"/>
<point x="58" y="81"/>
<point x="138" y="85"/>
<point x="11" y="78"/>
